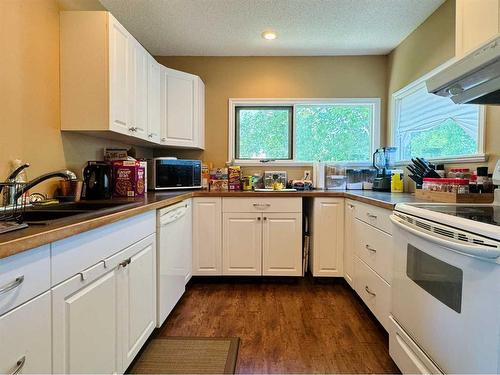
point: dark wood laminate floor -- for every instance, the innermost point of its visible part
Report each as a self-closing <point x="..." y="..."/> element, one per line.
<point x="285" y="326"/>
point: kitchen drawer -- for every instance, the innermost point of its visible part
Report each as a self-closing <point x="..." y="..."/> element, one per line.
<point x="73" y="254"/>
<point x="27" y="338"/>
<point x="24" y="276"/>
<point x="374" y="247"/>
<point x="373" y="290"/>
<point x="262" y="205"/>
<point x="376" y="216"/>
<point x="406" y="353"/>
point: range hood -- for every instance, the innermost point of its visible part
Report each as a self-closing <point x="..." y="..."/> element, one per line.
<point x="474" y="79"/>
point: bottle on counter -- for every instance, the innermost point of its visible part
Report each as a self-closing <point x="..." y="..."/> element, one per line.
<point x="482" y="179"/>
<point x="473" y="184"/>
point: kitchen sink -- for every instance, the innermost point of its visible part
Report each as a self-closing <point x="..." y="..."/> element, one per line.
<point x="41" y="216"/>
<point x="47" y="214"/>
<point x="83" y="206"/>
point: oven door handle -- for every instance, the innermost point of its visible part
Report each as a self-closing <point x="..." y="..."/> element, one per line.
<point x="465" y="248"/>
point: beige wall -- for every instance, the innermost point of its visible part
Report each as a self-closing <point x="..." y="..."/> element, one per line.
<point x="276" y="77"/>
<point x="29" y="93"/>
<point x="430" y="45"/>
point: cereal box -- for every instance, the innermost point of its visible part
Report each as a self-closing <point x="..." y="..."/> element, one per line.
<point x="234" y="178"/>
<point x="128" y="178"/>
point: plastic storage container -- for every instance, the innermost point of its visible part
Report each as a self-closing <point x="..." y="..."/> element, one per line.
<point x="335" y="178"/>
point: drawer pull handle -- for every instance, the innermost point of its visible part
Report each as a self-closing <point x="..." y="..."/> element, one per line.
<point x="262" y="205"/>
<point x="369" y="291"/>
<point x="125" y="263"/>
<point x="369" y="248"/>
<point x="12" y="285"/>
<point x="19" y="365"/>
<point x="371" y="216"/>
<point x="350" y="205"/>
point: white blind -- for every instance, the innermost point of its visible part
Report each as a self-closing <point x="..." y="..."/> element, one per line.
<point x="418" y="111"/>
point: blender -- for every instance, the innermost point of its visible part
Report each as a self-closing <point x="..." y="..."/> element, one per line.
<point x="383" y="158"/>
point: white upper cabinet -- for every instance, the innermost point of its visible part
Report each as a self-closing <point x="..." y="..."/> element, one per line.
<point x="477" y="21"/>
<point x="138" y="66"/>
<point x="119" y="77"/>
<point x="154" y="92"/>
<point x="110" y="87"/>
<point x="182" y="100"/>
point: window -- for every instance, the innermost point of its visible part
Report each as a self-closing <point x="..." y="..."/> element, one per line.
<point x="264" y="132"/>
<point x="433" y="127"/>
<point x="303" y="131"/>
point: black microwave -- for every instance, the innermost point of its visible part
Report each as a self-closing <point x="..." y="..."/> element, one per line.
<point x="169" y="173"/>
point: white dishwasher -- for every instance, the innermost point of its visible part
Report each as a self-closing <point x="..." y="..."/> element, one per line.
<point x="174" y="255"/>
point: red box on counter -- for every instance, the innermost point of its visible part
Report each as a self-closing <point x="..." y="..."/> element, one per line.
<point x="128" y="178"/>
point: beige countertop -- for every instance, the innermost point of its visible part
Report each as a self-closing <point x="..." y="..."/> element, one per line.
<point x="37" y="235"/>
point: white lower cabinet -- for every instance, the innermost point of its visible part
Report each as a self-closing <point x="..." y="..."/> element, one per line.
<point x="137" y="300"/>
<point x="374" y="291"/>
<point x="85" y="323"/>
<point x="207" y="236"/>
<point x="282" y="244"/>
<point x="26" y="338"/>
<point x="103" y="315"/>
<point x="242" y="244"/>
<point x="349" y="236"/>
<point x="327" y="236"/>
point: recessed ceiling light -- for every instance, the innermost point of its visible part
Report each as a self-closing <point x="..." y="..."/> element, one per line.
<point x="269" y="35"/>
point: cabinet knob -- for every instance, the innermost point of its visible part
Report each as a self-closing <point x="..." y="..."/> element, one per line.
<point x="164" y="139"/>
<point x="258" y="218"/>
<point x="265" y="218"/>
<point x="132" y="128"/>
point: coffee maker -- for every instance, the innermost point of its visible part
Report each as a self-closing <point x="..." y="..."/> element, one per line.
<point x="383" y="159"/>
<point x="97" y="180"/>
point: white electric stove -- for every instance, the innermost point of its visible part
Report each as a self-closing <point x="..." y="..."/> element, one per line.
<point x="446" y="287"/>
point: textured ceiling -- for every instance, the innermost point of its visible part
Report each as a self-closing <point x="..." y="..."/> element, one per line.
<point x="304" y="27"/>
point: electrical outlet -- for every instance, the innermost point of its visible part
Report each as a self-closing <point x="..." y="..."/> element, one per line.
<point x="307" y="174"/>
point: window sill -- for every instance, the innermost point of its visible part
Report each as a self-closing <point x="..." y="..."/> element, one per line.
<point x="479" y="158"/>
<point x="291" y="163"/>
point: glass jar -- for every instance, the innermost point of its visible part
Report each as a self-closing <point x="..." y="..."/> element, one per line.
<point x="446" y="185"/>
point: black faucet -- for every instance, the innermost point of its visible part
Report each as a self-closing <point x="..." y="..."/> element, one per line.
<point x="66" y="174"/>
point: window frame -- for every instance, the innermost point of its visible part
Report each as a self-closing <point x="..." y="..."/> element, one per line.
<point x="394" y="111"/>
<point x="272" y="102"/>
<point x="291" y="128"/>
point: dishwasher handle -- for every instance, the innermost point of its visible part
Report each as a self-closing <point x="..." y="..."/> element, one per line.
<point x="173" y="215"/>
<point x="468" y="248"/>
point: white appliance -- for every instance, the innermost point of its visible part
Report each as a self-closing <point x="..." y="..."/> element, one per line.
<point x="174" y="255"/>
<point x="473" y="79"/>
<point x="446" y="287"/>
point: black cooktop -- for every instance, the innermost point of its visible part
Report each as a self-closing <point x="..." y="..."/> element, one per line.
<point x="485" y="214"/>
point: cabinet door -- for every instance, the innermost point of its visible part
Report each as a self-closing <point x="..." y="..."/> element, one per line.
<point x="282" y="244"/>
<point x="199" y="113"/>
<point x="188" y="242"/>
<point x="242" y="244"/>
<point x="477" y="21"/>
<point x="137" y="299"/>
<point x="26" y="338"/>
<point x="178" y="112"/>
<point x="138" y="93"/>
<point x="154" y="100"/>
<point x="119" y="77"/>
<point x="349" y="243"/>
<point x="207" y="236"/>
<point x="327" y="238"/>
<point x="84" y="316"/>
